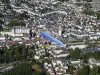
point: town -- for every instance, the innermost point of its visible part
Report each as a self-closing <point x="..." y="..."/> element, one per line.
<point x="51" y="37"/>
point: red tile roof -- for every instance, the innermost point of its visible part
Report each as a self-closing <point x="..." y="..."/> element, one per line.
<point x="11" y="43"/>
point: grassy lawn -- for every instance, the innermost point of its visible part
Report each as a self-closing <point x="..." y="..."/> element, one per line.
<point x="6" y="30"/>
<point x="36" y="67"/>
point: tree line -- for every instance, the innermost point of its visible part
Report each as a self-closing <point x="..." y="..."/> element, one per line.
<point x="25" y="69"/>
<point x="87" y="71"/>
<point x="16" y="53"/>
<point x="77" y="54"/>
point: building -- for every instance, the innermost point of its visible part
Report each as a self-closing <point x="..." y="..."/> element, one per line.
<point x="94" y="36"/>
<point x="75" y="61"/>
<point x="2" y="38"/>
<point x="17" y="31"/>
<point x="20" y="31"/>
<point x="93" y="62"/>
<point x="13" y="1"/>
<point x="60" y="30"/>
<point x="96" y="4"/>
<point x="77" y="46"/>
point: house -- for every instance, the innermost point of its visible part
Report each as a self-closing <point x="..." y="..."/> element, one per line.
<point x="2" y="38"/>
<point x="94" y="36"/>
<point x="75" y="61"/>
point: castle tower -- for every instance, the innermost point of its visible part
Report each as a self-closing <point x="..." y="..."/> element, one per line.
<point x="60" y="30"/>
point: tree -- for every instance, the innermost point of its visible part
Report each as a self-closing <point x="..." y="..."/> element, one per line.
<point x="95" y="70"/>
<point x="37" y="46"/>
<point x="21" y="23"/>
<point x="1" y="15"/>
<point x="63" y="0"/>
<point x="1" y="28"/>
<point x="24" y="15"/>
<point x="17" y="53"/>
<point x="88" y="5"/>
<point x="12" y="52"/>
<point x="45" y="10"/>
<point x="13" y="22"/>
<point x="1" y="22"/>
<point x="6" y="56"/>
<point x="21" y="69"/>
<point x="98" y="15"/>
<point x="16" y="22"/>
<point x="70" y="68"/>
<point x="6" y="52"/>
<point x="88" y="0"/>
<point x="24" y="54"/>
<point x="5" y="1"/>
<point x="36" y="73"/>
<point x="34" y="34"/>
<point x="75" y="53"/>
<point x="88" y="12"/>
<point x="8" y="7"/>
<point x="84" y="71"/>
<point x="33" y="48"/>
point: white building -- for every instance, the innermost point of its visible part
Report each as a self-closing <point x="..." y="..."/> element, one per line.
<point x="75" y="61"/>
<point x="2" y="38"/>
<point x="78" y="46"/>
<point x="92" y="62"/>
<point x="60" y="30"/>
<point x="17" y="31"/>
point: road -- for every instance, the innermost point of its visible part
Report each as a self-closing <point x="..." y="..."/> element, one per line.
<point x="83" y="43"/>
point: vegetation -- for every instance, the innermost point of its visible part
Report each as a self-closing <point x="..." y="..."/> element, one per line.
<point x="84" y="0"/>
<point x="87" y="5"/>
<point x="70" y="69"/>
<point x="63" y="0"/>
<point x="95" y="55"/>
<point x="15" y="22"/>
<point x="91" y="45"/>
<point x="1" y="15"/>
<point x="1" y="22"/>
<point x="98" y="15"/>
<point x="74" y="53"/>
<point x="24" y="15"/>
<point x="26" y="69"/>
<point x="1" y="28"/>
<point x="87" y="71"/>
<point x="5" y="1"/>
<point x="22" y="53"/>
<point x="88" y="12"/>
<point x="36" y="67"/>
<point x="95" y="71"/>
<point x="45" y="10"/>
<point x="22" y="69"/>
<point x="15" y="53"/>
<point x="78" y="55"/>
<point x="84" y="71"/>
<point x="88" y="0"/>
